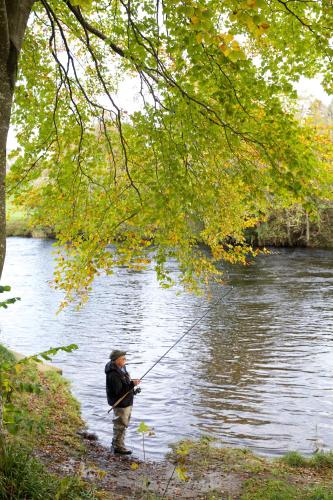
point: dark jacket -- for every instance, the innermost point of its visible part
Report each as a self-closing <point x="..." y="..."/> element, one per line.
<point x="118" y="382"/>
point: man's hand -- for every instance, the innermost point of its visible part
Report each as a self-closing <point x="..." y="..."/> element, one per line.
<point x="136" y="381"/>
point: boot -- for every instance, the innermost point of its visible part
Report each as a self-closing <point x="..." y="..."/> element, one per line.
<point x="122" y="451"/>
<point x="118" y="446"/>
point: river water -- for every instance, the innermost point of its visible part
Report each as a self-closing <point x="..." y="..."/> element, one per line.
<point x="256" y="372"/>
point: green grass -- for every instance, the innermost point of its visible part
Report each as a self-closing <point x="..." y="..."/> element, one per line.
<point x="54" y="412"/>
<point x="320" y="493"/>
<point x="50" y="415"/>
<point x="18" y="228"/>
<point x="201" y="454"/>
<point x="19" y="223"/>
<point x="5" y="355"/>
<point x="24" y="477"/>
<point x="272" y="489"/>
<point x="21" y="475"/>
<point x="15" y="213"/>
<point x="292" y="477"/>
<point x="294" y="459"/>
<point x="321" y="460"/>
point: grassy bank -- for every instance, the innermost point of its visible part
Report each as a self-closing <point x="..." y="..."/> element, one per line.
<point x="238" y="473"/>
<point x="284" y="228"/>
<point x="18" y="223"/>
<point x="43" y="432"/>
<point x="50" y="458"/>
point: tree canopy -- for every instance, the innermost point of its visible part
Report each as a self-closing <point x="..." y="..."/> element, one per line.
<point x="211" y="147"/>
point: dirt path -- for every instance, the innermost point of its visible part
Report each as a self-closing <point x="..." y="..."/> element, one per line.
<point x="130" y="478"/>
<point x="214" y="473"/>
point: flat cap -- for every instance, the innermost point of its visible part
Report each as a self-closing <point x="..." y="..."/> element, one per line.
<point x="116" y="353"/>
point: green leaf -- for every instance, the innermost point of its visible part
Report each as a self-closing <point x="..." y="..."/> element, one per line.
<point x="45" y="356"/>
<point x="84" y="4"/>
<point x="143" y="428"/>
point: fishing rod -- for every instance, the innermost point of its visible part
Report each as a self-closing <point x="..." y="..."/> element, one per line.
<point x="174" y="345"/>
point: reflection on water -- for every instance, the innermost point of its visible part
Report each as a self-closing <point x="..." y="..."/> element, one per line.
<point x="256" y="372"/>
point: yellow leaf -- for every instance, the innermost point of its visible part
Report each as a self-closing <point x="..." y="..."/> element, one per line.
<point x="18" y="368"/>
<point x="134" y="466"/>
<point x="181" y="473"/>
<point x="199" y="37"/>
<point x="250" y="24"/>
<point x="195" y="20"/>
<point x="228" y="37"/>
<point x="235" y="45"/>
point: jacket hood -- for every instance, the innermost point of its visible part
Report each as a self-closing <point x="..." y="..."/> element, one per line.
<point x="109" y="367"/>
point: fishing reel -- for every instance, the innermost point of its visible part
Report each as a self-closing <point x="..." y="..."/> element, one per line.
<point x="137" y="391"/>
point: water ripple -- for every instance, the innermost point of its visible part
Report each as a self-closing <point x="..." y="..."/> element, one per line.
<point x="256" y="372"/>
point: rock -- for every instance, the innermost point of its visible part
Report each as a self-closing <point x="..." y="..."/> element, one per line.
<point x="87" y="435"/>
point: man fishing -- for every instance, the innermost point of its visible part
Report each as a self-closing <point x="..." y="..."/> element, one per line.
<point x="118" y="384"/>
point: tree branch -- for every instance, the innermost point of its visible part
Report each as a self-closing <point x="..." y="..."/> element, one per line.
<point x="31" y="167"/>
<point x="160" y="71"/>
<point x="68" y="84"/>
<point x="88" y="27"/>
<point x="308" y="26"/>
<point x="118" y="114"/>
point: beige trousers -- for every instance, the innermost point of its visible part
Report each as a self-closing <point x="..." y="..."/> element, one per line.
<point x="120" y="421"/>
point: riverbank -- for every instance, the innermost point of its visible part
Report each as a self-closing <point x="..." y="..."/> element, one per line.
<point x="70" y="463"/>
<point x="18" y="223"/>
<point x="23" y="228"/>
<point x="285" y="229"/>
<point x="293" y="227"/>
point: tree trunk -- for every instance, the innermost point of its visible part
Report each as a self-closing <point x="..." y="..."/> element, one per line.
<point x="6" y="96"/>
<point x="307" y="234"/>
<point x="290" y="242"/>
<point x="14" y="16"/>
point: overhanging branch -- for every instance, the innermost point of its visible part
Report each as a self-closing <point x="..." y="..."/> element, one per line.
<point x="91" y="29"/>
<point x="157" y="74"/>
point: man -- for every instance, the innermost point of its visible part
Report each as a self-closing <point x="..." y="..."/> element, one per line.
<point x="118" y="383"/>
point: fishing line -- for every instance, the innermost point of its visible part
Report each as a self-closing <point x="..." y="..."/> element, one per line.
<point x="187" y="331"/>
<point x="175" y="343"/>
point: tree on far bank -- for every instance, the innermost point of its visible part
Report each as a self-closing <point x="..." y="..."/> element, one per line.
<point x="212" y="145"/>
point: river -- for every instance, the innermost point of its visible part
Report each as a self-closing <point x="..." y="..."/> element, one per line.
<point x="256" y="372"/>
